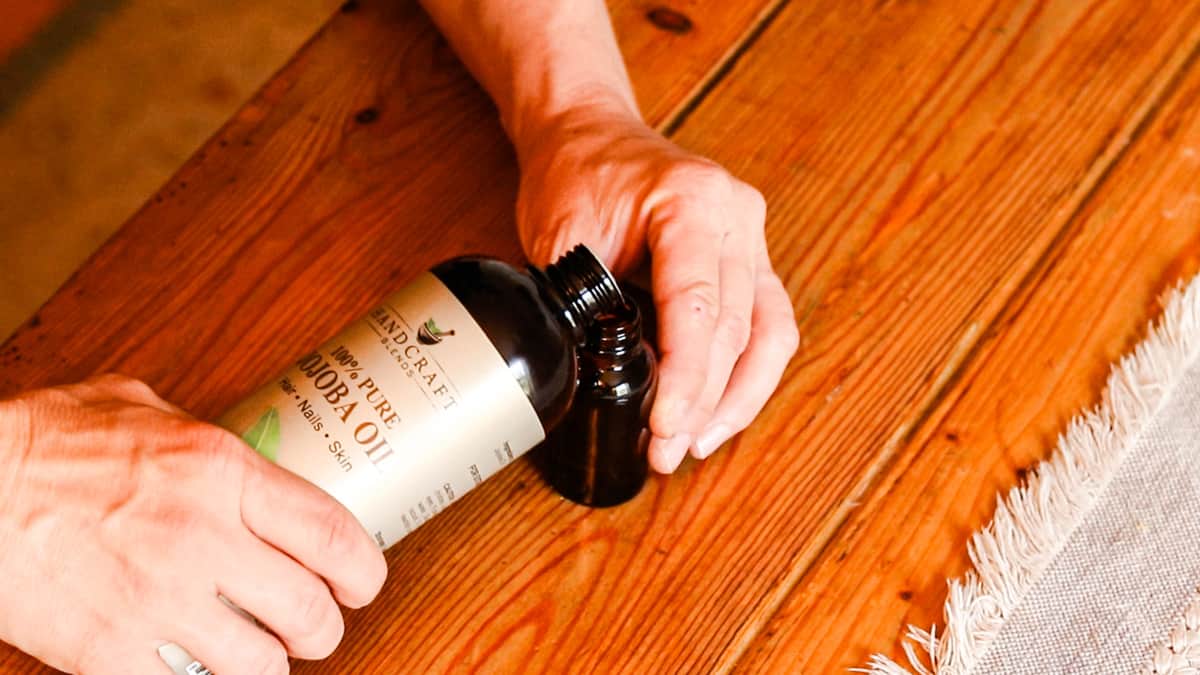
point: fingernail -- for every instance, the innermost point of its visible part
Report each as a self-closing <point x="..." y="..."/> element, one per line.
<point x="711" y="439"/>
<point x="670" y="451"/>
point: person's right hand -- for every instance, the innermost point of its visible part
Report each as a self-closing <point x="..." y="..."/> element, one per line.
<point x="122" y="520"/>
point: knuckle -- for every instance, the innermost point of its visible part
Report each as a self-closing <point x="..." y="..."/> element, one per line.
<point x="753" y="201"/>
<point x="137" y="387"/>
<point x="107" y="379"/>
<point x="202" y="436"/>
<point x="780" y="321"/>
<point x="734" y="329"/>
<point x="312" y="616"/>
<point x="685" y="222"/>
<point x="338" y="533"/>
<point x="223" y="442"/>
<point x="788" y="338"/>
<point x="123" y="384"/>
<point x="703" y="177"/>
<point x="220" y="452"/>
<point x="267" y="658"/>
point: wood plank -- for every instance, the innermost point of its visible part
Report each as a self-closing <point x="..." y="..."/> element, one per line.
<point x="22" y="21"/>
<point x="304" y="209"/>
<point x="926" y="198"/>
<point x="519" y="585"/>
<point x="975" y="117"/>
<point x="675" y="49"/>
<point x="1045" y="358"/>
<point x="426" y="117"/>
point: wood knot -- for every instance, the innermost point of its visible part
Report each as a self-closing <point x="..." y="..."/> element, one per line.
<point x="366" y="115"/>
<point x="669" y="20"/>
<point x="906" y="595"/>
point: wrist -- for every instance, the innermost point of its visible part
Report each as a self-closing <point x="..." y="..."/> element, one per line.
<point x="536" y="121"/>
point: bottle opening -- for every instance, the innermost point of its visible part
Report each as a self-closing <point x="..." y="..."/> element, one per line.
<point x="581" y="284"/>
<point x="617" y="332"/>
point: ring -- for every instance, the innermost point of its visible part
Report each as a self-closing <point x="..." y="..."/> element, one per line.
<point x="180" y="662"/>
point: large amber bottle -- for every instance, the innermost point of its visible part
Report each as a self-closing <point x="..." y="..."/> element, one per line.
<point x="438" y="387"/>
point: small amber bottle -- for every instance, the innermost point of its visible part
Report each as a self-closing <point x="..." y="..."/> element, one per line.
<point x="596" y="456"/>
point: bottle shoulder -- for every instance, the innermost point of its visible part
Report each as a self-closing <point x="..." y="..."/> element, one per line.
<point x="507" y="305"/>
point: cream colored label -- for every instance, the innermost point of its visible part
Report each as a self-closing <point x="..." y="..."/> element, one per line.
<point x="399" y="415"/>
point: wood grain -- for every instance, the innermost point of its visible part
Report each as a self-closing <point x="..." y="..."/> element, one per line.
<point x="675" y="49"/>
<point x="369" y="158"/>
<point x="924" y="207"/>
<point x="22" y="20"/>
<point x="1045" y="358"/>
<point x="922" y="160"/>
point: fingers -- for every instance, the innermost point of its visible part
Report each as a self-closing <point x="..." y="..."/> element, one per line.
<point x="225" y="642"/>
<point x="307" y="524"/>
<point x="734" y="320"/>
<point x="290" y="600"/>
<point x="685" y="271"/>
<point x="132" y="656"/>
<point x="774" y="339"/>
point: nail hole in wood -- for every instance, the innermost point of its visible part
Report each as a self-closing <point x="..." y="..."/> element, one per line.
<point x="669" y="20"/>
<point x="366" y="115"/>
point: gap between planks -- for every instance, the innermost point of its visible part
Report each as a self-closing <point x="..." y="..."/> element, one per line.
<point x="676" y="117"/>
<point x="1171" y="75"/>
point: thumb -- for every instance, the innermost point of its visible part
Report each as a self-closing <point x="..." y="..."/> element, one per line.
<point x="549" y="226"/>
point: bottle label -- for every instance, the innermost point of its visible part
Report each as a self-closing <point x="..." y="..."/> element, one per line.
<point x="399" y="415"/>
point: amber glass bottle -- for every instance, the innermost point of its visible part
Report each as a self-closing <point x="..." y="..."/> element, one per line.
<point x="597" y="455"/>
<point x="437" y="388"/>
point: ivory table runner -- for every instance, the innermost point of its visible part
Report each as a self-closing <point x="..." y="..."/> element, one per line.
<point x="1093" y="566"/>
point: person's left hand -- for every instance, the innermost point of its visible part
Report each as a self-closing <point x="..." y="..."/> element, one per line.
<point x="598" y="175"/>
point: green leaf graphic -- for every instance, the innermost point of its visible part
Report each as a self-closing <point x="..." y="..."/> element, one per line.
<point x="432" y="327"/>
<point x="264" y="435"/>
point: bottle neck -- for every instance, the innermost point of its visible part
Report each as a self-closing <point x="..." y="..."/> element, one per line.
<point x="616" y="336"/>
<point x="580" y="289"/>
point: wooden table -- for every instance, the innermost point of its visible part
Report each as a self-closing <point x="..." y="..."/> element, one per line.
<point x="22" y="21"/>
<point x="974" y="205"/>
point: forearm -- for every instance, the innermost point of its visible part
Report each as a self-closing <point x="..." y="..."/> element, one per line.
<point x="538" y="58"/>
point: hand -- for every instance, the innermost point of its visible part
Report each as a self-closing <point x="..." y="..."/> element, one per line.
<point x="596" y="174"/>
<point x="122" y="519"/>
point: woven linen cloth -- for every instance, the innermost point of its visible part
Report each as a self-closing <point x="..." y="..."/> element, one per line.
<point x="1093" y="564"/>
<point x="1128" y="571"/>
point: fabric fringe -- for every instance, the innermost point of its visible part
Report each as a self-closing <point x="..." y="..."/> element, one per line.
<point x="1180" y="653"/>
<point x="1031" y="526"/>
